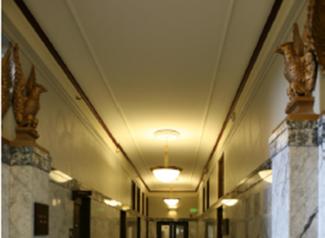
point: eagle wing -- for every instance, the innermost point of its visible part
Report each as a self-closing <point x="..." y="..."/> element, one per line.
<point x="298" y="42"/>
<point x="5" y="81"/>
<point x="30" y="82"/>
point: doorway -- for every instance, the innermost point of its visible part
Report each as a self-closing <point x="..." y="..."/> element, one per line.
<point x="81" y="216"/>
<point x="172" y="229"/>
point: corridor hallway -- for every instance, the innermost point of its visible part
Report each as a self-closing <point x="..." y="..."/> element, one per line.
<point x="163" y="119"/>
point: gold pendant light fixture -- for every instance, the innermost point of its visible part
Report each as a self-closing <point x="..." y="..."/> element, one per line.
<point x="166" y="173"/>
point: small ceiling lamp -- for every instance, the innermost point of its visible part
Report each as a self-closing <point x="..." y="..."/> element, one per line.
<point x="59" y="177"/>
<point x="266" y="175"/>
<point x="172" y="203"/>
<point x="229" y="202"/>
<point x="166" y="173"/>
<point x="112" y="202"/>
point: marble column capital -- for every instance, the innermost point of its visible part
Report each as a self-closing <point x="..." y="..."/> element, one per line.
<point x="294" y="133"/>
<point x="26" y="155"/>
<point x="321" y="132"/>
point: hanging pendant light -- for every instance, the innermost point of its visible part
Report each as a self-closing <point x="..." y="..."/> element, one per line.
<point x="166" y="173"/>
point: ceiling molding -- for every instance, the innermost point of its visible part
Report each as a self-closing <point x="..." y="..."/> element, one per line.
<point x="44" y="38"/>
<point x="104" y="79"/>
<point x="213" y="81"/>
<point x="266" y="29"/>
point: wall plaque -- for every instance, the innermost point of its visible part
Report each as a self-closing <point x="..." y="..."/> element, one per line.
<point x="41" y="219"/>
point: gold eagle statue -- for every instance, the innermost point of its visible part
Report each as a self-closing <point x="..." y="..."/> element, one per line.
<point x="26" y="95"/>
<point x="300" y="67"/>
<point x="5" y="83"/>
<point x="315" y="29"/>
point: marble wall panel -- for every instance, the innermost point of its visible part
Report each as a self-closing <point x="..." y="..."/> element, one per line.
<point x="143" y="228"/>
<point x="27" y="185"/>
<point x="152" y="229"/>
<point x="251" y="216"/>
<point x="193" y="229"/>
<point x="61" y="211"/>
<point x="295" y="180"/>
<point x="5" y="201"/>
<point x="321" y="178"/>
<point x="105" y="221"/>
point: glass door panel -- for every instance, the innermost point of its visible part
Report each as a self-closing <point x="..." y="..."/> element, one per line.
<point x="179" y="231"/>
<point x="172" y="230"/>
<point x="165" y="231"/>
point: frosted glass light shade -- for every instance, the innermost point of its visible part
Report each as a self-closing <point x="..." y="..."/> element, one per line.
<point x="266" y="175"/>
<point x="171" y="202"/>
<point x="166" y="174"/>
<point x="229" y="202"/>
<point x="166" y="134"/>
<point x="59" y="177"/>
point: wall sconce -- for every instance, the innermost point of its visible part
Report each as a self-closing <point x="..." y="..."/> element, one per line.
<point x="59" y="177"/>
<point x="266" y="175"/>
<point x="112" y="203"/>
<point x="229" y="202"/>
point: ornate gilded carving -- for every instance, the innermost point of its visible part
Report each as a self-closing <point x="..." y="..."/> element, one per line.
<point x="301" y="72"/>
<point x="315" y="29"/>
<point x="5" y="83"/>
<point x="26" y="98"/>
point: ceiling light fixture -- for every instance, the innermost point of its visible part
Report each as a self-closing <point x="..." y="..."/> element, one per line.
<point x="166" y="134"/>
<point x="59" y="177"/>
<point x="229" y="202"/>
<point x="266" y="175"/>
<point x="112" y="202"/>
<point x="166" y="173"/>
<point x="172" y="203"/>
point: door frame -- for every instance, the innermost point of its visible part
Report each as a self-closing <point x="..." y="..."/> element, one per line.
<point x="172" y="225"/>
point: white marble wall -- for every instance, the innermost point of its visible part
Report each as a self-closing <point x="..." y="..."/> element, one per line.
<point x="5" y="201"/>
<point x="251" y="216"/>
<point x="295" y="180"/>
<point x="152" y="229"/>
<point x="61" y="211"/>
<point x="321" y="180"/>
<point x="193" y="229"/>
<point x="27" y="185"/>
<point x="143" y="228"/>
<point x="105" y="221"/>
<point x="280" y="189"/>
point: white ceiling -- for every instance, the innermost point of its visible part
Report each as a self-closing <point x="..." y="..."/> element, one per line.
<point x="152" y="64"/>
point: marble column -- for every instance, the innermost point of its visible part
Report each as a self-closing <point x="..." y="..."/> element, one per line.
<point x="26" y="182"/>
<point x="294" y="153"/>
<point x="321" y="178"/>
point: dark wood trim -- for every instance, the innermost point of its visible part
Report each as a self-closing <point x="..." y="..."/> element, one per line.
<point x="208" y="194"/>
<point x="39" y="31"/>
<point x="133" y="195"/>
<point x="57" y="57"/>
<point x="221" y="176"/>
<point x="267" y="27"/>
<point x="138" y="200"/>
<point x="123" y="224"/>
